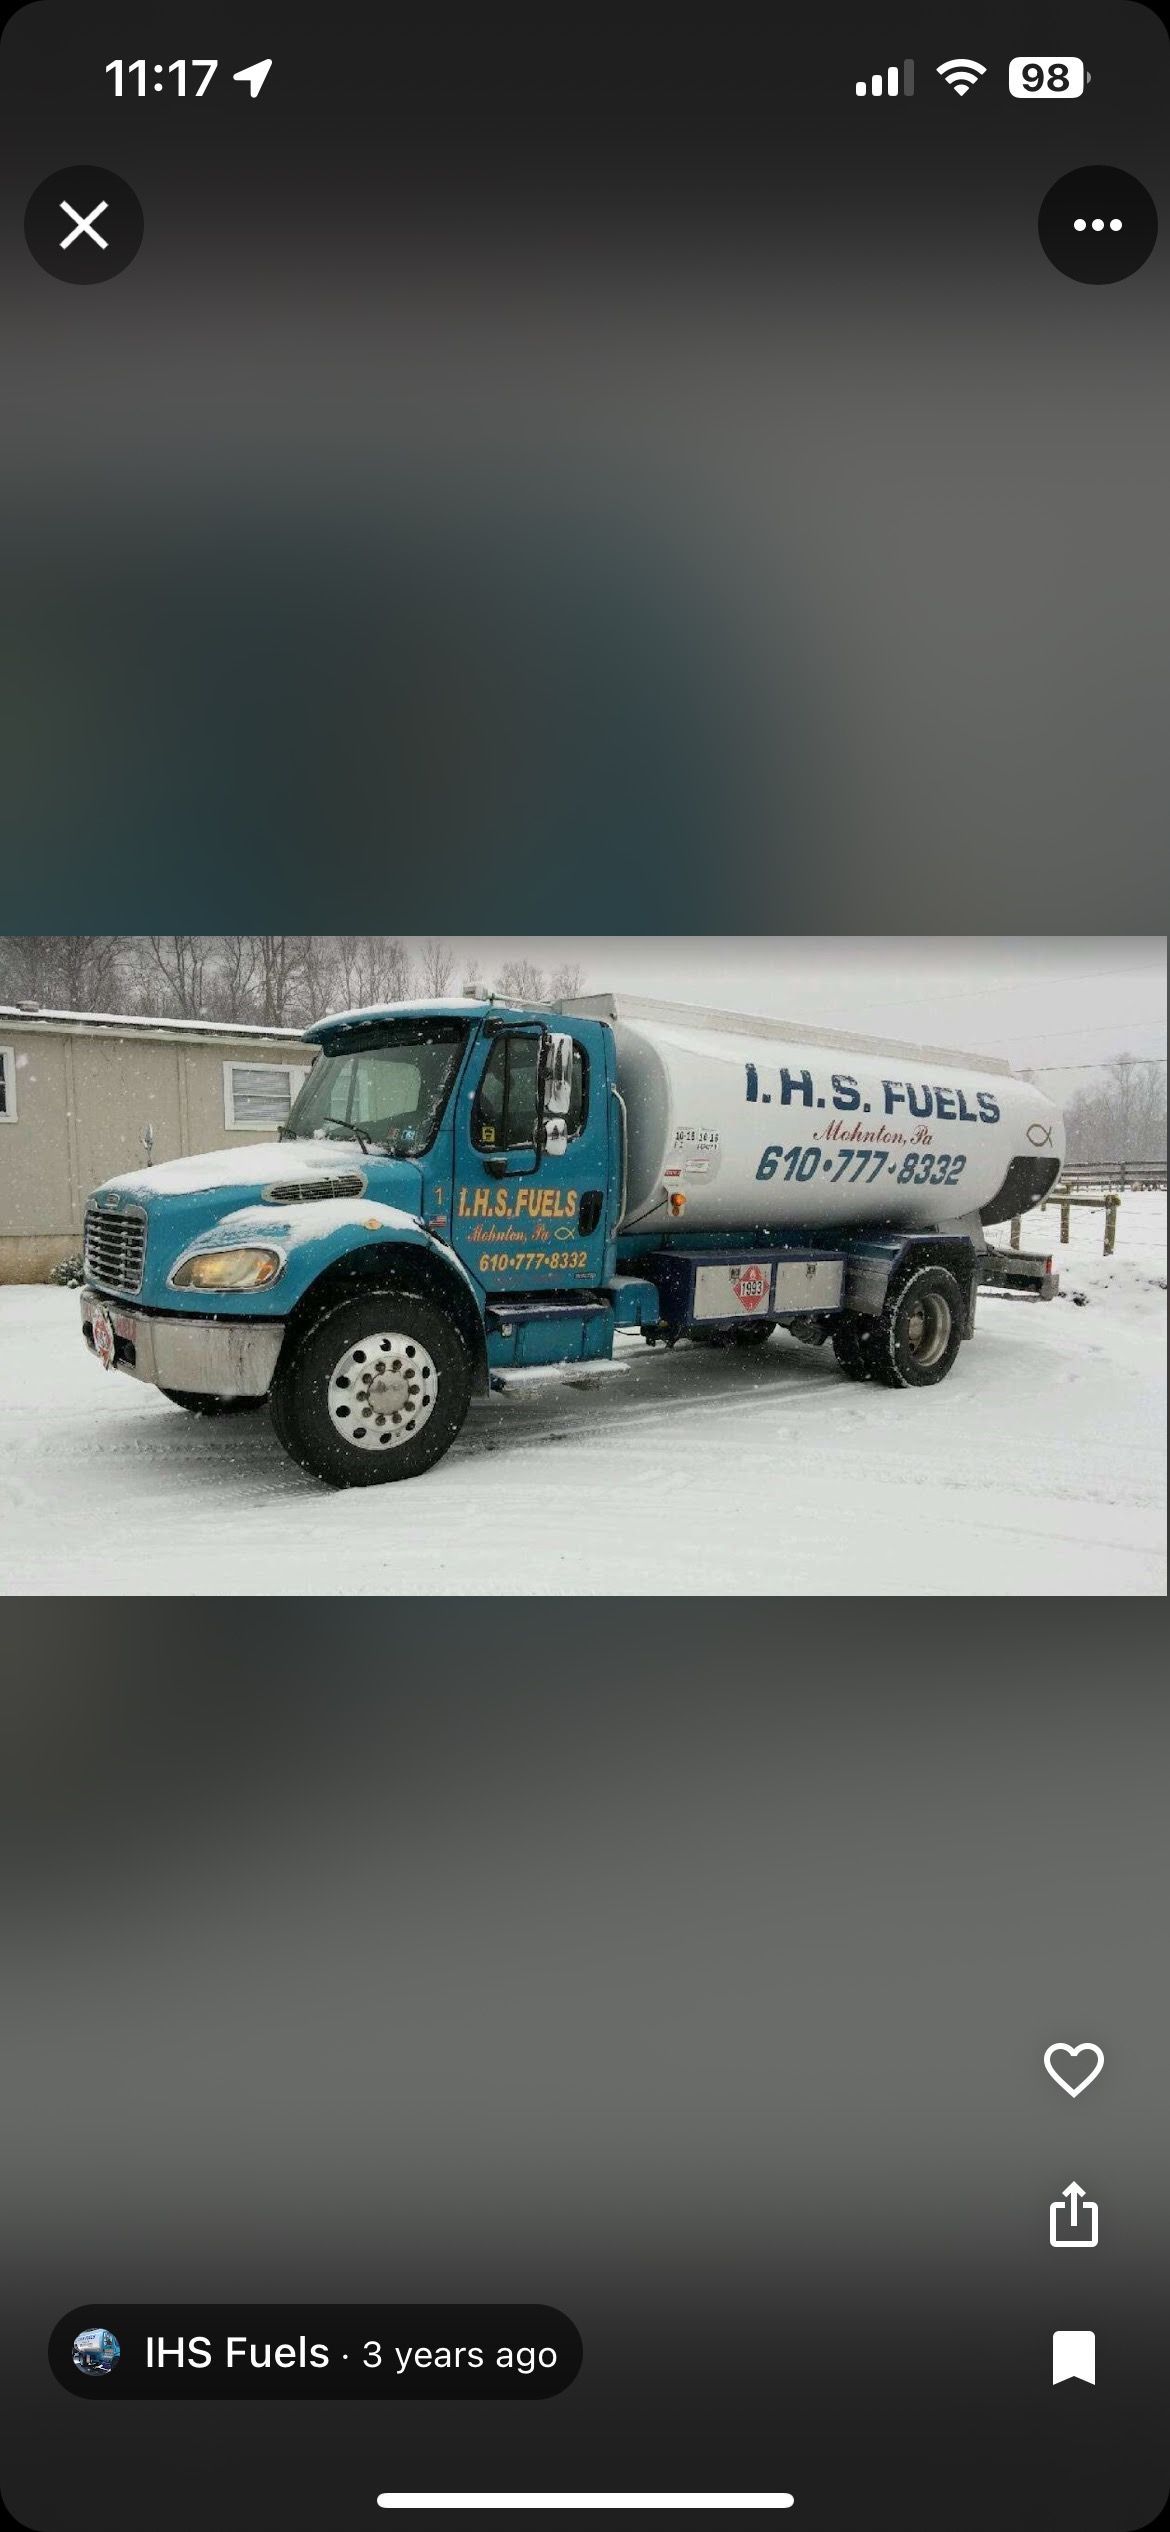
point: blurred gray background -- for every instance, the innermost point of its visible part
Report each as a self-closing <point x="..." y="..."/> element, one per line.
<point x="695" y="1980"/>
<point x="643" y="480"/>
<point x="518" y="494"/>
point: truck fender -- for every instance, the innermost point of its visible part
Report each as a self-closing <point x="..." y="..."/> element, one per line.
<point x="875" y="1269"/>
<point x="414" y="1261"/>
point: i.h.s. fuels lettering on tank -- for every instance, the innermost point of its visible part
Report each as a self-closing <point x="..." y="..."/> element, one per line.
<point x="916" y="1099"/>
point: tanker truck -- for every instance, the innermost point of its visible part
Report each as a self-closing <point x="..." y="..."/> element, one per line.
<point x="478" y="1196"/>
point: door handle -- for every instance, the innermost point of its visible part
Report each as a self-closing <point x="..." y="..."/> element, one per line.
<point x="591" y="1209"/>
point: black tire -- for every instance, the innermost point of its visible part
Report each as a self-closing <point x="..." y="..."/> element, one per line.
<point x="912" y="1341"/>
<point x="329" y="1374"/>
<point x="853" y="1342"/>
<point x="200" y="1402"/>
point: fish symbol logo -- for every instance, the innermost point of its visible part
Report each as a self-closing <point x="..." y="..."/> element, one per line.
<point x="1038" y="1135"/>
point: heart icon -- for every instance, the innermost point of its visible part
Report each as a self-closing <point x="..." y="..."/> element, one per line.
<point x="1066" y="2050"/>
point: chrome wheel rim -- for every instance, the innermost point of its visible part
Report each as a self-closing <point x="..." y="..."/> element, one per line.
<point x="382" y="1391"/>
<point x="928" y="1330"/>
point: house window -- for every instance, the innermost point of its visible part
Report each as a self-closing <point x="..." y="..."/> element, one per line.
<point x="7" y="1085"/>
<point x="259" y="1094"/>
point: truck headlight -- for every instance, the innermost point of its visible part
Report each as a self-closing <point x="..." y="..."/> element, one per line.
<point x="228" y="1270"/>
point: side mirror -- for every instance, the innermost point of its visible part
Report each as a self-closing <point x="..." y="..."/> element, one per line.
<point x="556" y="1091"/>
<point x="556" y="1074"/>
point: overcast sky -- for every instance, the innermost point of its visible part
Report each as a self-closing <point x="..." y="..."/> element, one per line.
<point x="1062" y="1005"/>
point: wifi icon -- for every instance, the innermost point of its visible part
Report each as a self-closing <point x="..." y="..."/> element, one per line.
<point x="960" y="76"/>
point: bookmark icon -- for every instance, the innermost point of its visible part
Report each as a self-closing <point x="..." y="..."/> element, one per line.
<point x="1074" y="2356"/>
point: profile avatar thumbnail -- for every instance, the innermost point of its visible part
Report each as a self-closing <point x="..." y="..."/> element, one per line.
<point x="95" y="2351"/>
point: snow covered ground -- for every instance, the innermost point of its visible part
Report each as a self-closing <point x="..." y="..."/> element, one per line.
<point x="1038" y="1467"/>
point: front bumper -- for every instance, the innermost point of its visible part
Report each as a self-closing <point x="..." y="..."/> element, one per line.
<point x="218" y="1358"/>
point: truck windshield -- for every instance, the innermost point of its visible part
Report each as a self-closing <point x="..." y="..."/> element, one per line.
<point x="387" y="1089"/>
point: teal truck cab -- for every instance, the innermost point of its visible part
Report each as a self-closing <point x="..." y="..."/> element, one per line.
<point x="474" y="1196"/>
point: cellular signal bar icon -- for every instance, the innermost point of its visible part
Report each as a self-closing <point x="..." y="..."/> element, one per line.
<point x="888" y="83"/>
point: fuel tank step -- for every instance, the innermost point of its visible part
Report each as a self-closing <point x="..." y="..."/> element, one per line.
<point x="534" y="1376"/>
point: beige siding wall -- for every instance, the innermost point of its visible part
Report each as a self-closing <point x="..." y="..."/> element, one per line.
<point x="36" y="1178"/>
<point x="82" y="1102"/>
<point x="119" y="1087"/>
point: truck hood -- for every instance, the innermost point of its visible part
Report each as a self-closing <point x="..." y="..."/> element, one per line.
<point x="302" y="1195"/>
<point x="247" y="1169"/>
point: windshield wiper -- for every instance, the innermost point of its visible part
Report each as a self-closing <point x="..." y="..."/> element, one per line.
<point x="350" y="1131"/>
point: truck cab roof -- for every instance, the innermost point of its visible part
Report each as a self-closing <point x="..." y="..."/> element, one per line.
<point x="338" y="1024"/>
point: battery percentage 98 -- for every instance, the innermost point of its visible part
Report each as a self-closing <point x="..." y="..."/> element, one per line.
<point x="1043" y="75"/>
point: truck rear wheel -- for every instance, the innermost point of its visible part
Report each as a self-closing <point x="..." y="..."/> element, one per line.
<point x="377" y="1388"/>
<point x="912" y="1341"/>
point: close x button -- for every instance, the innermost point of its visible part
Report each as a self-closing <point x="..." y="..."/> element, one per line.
<point x="84" y="224"/>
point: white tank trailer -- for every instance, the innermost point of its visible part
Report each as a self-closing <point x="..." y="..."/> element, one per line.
<point x="789" y="1128"/>
<point x="693" y="1175"/>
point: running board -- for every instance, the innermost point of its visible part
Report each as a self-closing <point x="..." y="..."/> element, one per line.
<point x="536" y="1376"/>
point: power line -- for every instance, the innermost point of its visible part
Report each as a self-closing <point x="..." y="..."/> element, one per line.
<point x="1015" y="984"/>
<point x="1088" y="1068"/>
<point x="1091" y="1028"/>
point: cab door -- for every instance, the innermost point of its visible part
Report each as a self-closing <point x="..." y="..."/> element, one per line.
<point x="524" y="1219"/>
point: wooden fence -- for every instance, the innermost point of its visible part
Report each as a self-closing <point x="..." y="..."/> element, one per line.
<point x="1120" y="1174"/>
<point x="1107" y="1204"/>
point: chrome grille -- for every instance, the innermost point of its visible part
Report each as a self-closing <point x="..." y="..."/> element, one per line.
<point x="115" y="1248"/>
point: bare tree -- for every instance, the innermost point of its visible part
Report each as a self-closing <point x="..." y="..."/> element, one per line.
<point x="369" y="968"/>
<point x="436" y="961"/>
<point x="276" y="979"/>
<point x="75" y="971"/>
<point x="319" y="976"/>
<point x="261" y="977"/>
<point x="395" y="970"/>
<point x="171" y="969"/>
<point x="1121" y="1116"/>
<point x="521" y="980"/>
<point x="347" y="948"/>
<point x="280" y="969"/>
<point x="232" y="995"/>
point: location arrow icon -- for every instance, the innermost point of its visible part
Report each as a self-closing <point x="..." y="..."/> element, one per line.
<point x="255" y="75"/>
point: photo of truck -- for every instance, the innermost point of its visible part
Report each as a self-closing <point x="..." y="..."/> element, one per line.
<point x="96" y="2351"/>
<point x="472" y="1195"/>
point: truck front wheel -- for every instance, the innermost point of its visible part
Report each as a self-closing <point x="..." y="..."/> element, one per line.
<point x="912" y="1341"/>
<point x="374" y="1389"/>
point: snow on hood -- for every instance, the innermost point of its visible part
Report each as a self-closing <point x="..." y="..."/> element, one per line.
<point x="295" y="1226"/>
<point x="245" y="1165"/>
